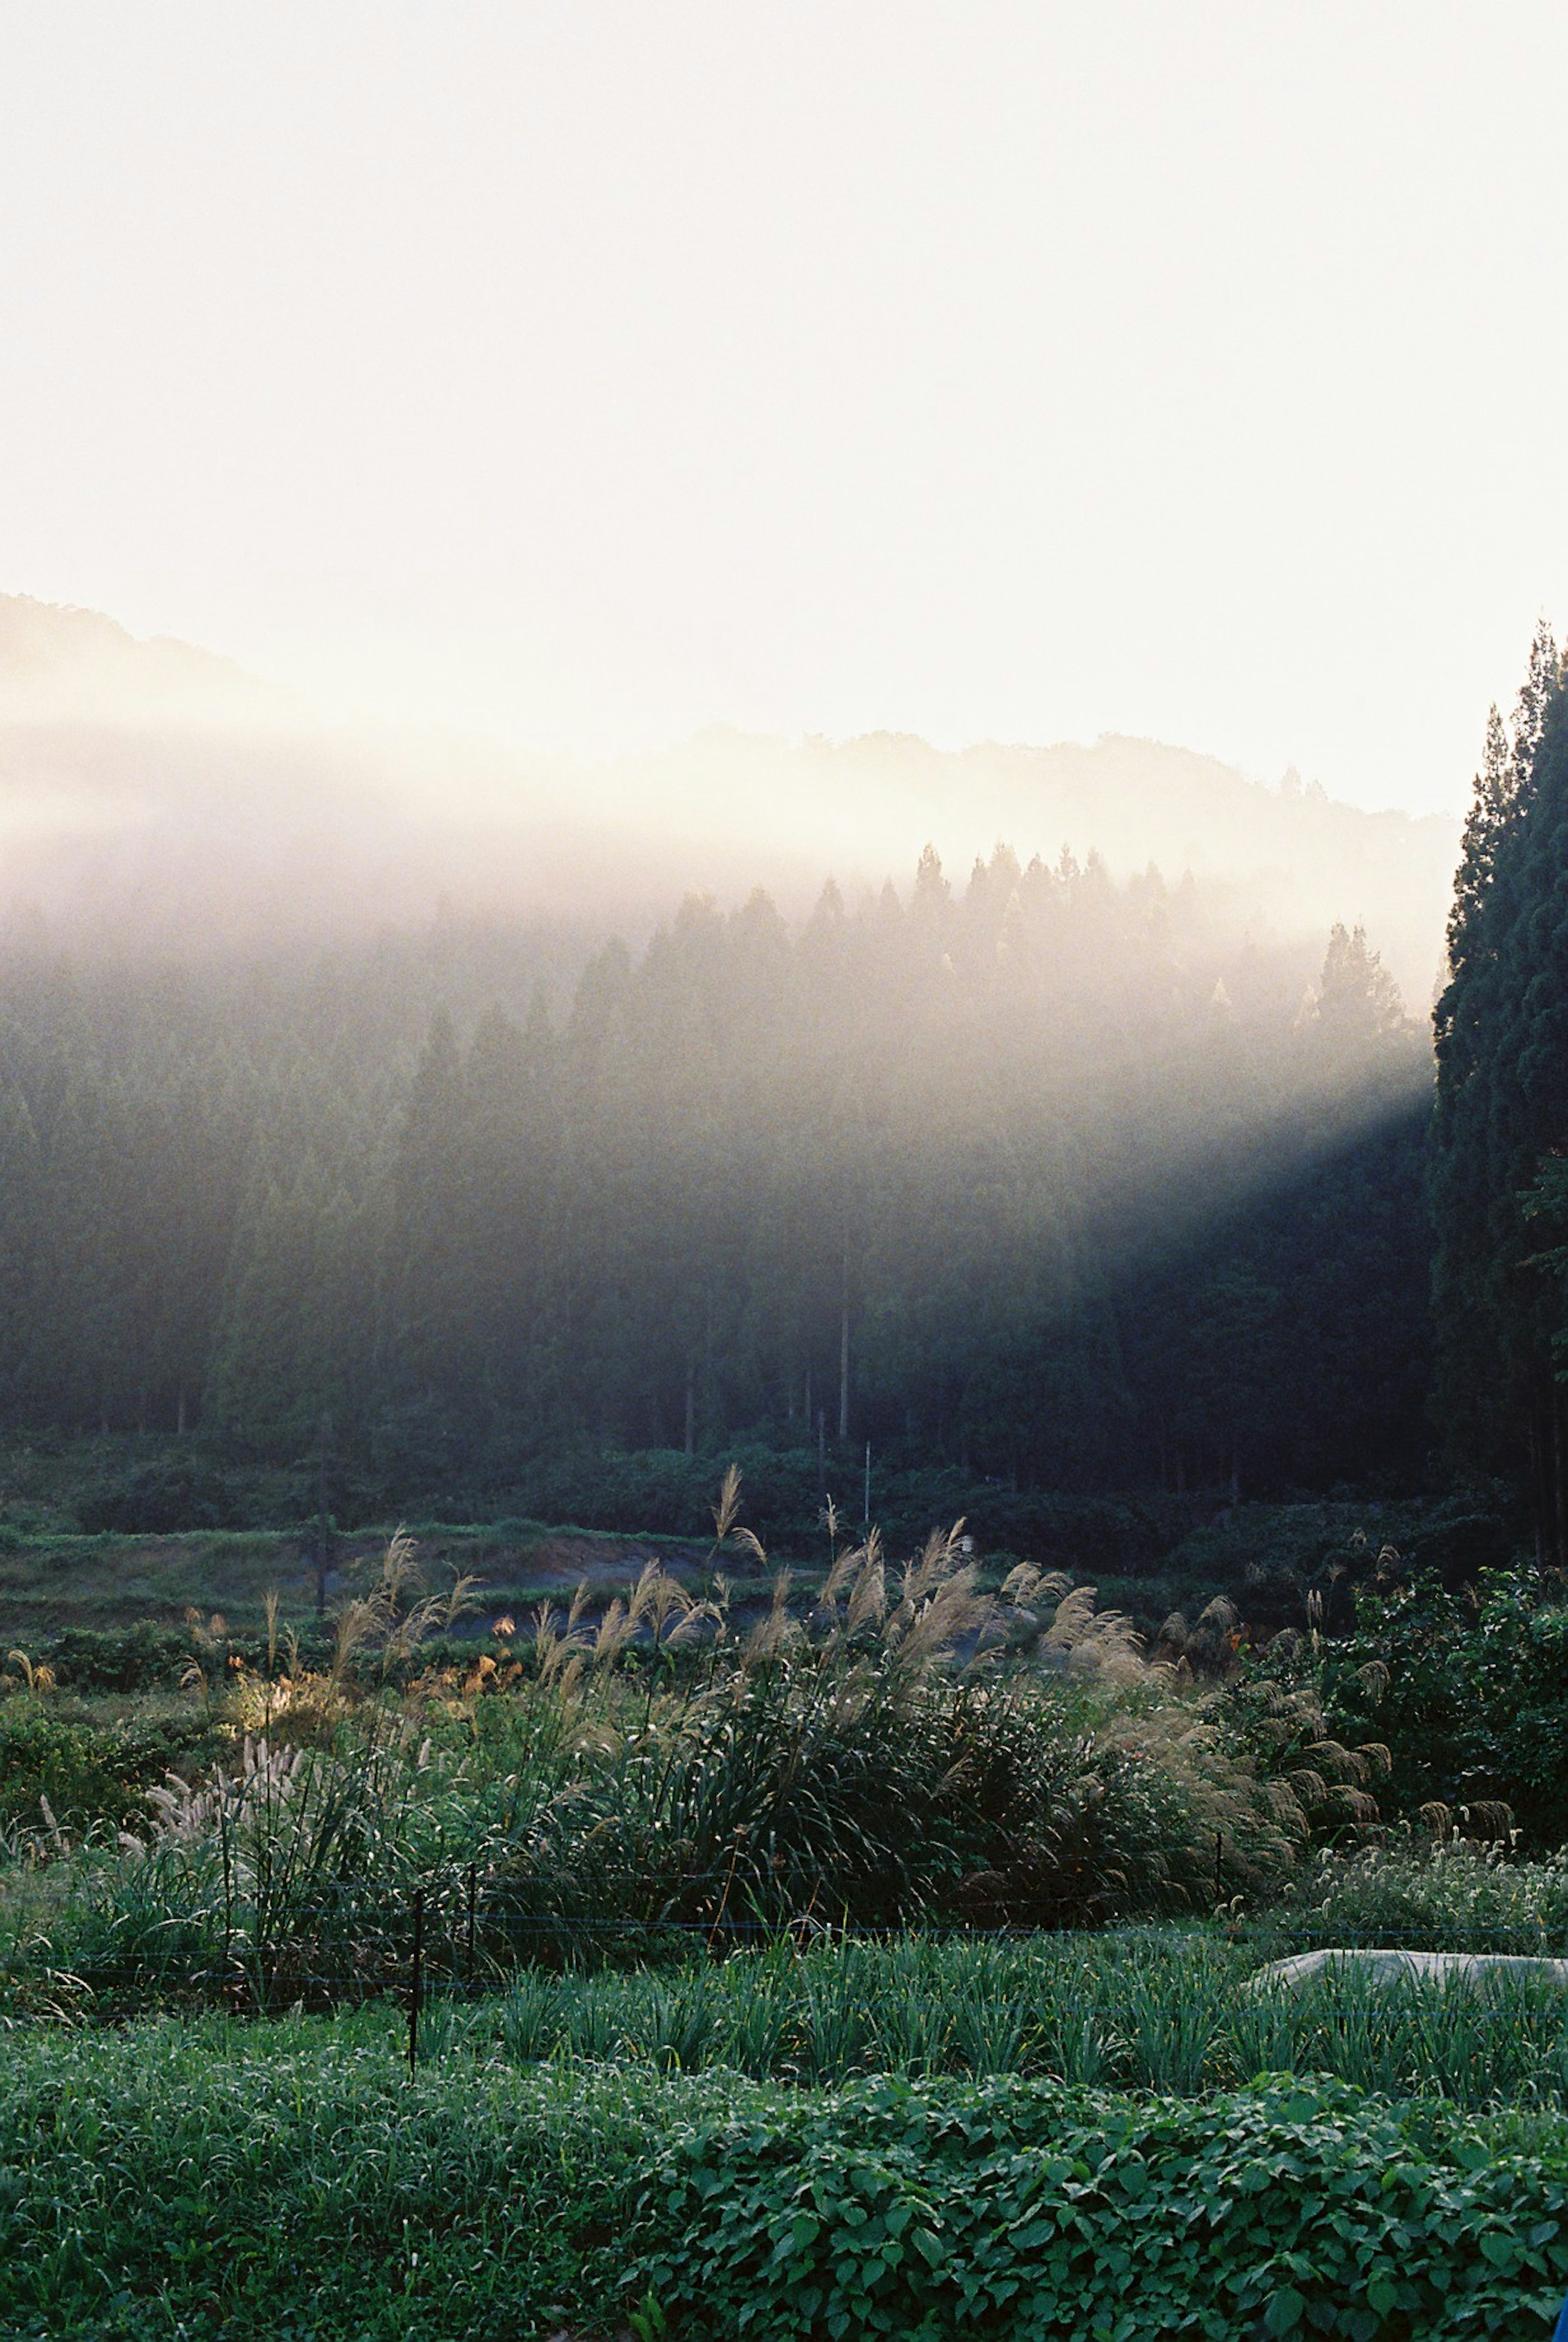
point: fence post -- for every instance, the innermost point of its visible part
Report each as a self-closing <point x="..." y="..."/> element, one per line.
<point x="471" y="1887"/>
<point x="416" y="1978"/>
<point x="1219" y="1865"/>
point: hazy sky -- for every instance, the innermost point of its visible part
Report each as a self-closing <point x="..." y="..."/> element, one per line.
<point x="597" y="372"/>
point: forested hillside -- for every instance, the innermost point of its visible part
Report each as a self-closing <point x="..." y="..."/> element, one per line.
<point x="1054" y="1178"/>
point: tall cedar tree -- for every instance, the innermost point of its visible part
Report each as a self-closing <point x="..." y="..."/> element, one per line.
<point x="1500" y="1116"/>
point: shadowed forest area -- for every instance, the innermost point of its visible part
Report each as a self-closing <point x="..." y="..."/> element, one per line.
<point x="1042" y="1177"/>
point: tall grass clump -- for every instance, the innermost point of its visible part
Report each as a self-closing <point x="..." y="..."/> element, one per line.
<point x="905" y="1745"/>
<point x="902" y="1746"/>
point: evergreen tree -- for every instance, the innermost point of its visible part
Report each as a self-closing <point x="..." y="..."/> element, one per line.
<point x="1502" y="1105"/>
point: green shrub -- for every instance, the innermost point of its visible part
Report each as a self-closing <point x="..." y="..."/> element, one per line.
<point x="124" y="1659"/>
<point x="88" y="1772"/>
<point x="168" y="1491"/>
<point x="1469" y="1689"/>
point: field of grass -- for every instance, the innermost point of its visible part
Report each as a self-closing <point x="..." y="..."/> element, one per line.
<point x="891" y="1748"/>
<point x="1166" y="2010"/>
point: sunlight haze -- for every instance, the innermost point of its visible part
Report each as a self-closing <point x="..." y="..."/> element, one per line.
<point x="590" y="375"/>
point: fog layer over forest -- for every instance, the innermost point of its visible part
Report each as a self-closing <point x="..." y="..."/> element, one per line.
<point x="1064" y="1170"/>
<point x="154" y="795"/>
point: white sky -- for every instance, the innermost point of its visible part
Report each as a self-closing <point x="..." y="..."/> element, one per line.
<point x="595" y="372"/>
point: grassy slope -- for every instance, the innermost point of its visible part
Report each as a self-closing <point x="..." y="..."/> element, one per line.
<point x="51" y="1580"/>
<point x="53" y="1583"/>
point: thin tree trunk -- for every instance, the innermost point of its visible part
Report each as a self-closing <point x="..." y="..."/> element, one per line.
<point x="690" y="1406"/>
<point x="322" y="1534"/>
<point x="844" y="1349"/>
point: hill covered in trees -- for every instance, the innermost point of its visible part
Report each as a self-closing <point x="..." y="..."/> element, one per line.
<point x="1068" y="1173"/>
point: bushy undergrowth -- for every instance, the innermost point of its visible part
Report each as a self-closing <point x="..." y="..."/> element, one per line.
<point x="288" y="2181"/>
<point x="1468" y="1685"/>
<point x="1432" y="1895"/>
<point x="900" y="1747"/>
<point x="62" y="1768"/>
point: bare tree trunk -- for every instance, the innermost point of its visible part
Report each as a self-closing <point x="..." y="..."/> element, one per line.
<point x="844" y="1349"/>
<point x="323" y="1533"/>
<point x="690" y="1406"/>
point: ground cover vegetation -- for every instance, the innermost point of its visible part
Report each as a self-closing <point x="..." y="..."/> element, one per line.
<point x="287" y="2179"/>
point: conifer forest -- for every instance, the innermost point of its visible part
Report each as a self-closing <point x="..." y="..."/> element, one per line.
<point x="1049" y="1177"/>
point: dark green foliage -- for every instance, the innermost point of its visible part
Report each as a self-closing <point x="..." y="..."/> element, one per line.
<point x="1015" y="2209"/>
<point x="291" y="2180"/>
<point x="1502" y="1113"/>
<point x="1469" y="1689"/>
<point x="88" y="1772"/>
<point x="136" y="1658"/>
<point x="168" y="1491"/>
<point x="1269" y="1560"/>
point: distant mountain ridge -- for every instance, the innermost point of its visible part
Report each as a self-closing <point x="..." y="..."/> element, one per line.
<point x="154" y="787"/>
<point x="62" y="664"/>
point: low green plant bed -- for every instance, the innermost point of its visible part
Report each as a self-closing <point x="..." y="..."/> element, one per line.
<point x="290" y="2180"/>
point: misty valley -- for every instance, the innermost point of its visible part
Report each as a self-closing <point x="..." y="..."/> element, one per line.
<point x="784" y="1173"/>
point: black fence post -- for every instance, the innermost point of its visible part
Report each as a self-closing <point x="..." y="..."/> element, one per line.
<point x="416" y="1978"/>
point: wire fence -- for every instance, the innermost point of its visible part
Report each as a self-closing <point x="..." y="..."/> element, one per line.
<point x="460" y="1933"/>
